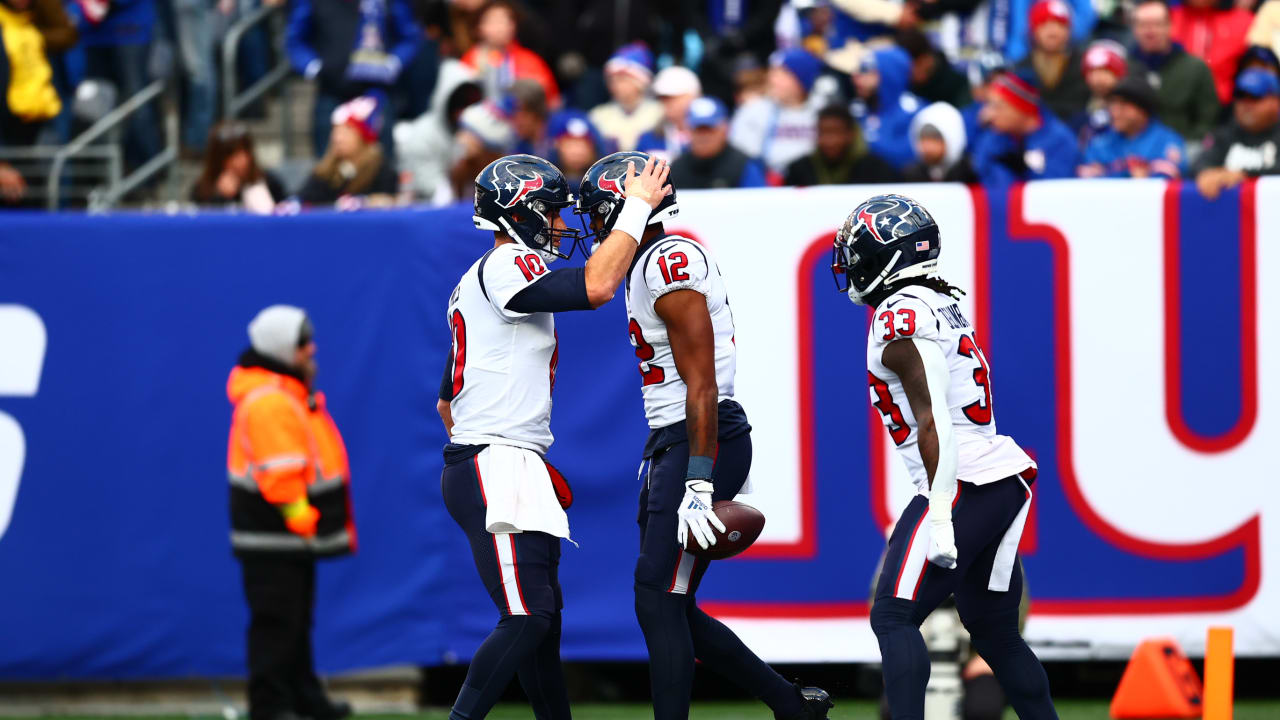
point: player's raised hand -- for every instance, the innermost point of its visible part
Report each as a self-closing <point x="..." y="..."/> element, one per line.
<point x="650" y="184"/>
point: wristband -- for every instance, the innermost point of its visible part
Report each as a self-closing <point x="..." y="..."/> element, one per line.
<point x="699" y="467"/>
<point x="633" y="218"/>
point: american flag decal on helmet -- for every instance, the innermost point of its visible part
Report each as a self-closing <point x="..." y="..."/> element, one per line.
<point x="922" y="245"/>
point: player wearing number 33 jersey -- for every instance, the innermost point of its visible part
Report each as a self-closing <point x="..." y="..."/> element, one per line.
<point x="698" y="451"/>
<point x="495" y="401"/>
<point x="931" y="384"/>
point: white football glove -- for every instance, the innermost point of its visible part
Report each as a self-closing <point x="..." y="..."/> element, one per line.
<point x="942" y="542"/>
<point x="695" y="515"/>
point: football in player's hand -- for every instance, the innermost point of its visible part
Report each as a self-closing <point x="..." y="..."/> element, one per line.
<point x="742" y="525"/>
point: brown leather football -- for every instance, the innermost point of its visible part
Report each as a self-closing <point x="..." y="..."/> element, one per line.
<point x="742" y="525"/>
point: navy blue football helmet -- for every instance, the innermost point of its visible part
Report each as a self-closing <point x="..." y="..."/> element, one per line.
<point x="885" y="240"/>
<point x="521" y="195"/>
<point x="600" y="194"/>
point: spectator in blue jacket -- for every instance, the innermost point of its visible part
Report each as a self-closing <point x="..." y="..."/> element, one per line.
<point x="883" y="106"/>
<point x="117" y="39"/>
<point x="1025" y="141"/>
<point x="350" y="48"/>
<point x="1137" y="145"/>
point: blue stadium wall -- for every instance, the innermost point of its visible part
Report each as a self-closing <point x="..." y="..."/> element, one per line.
<point x="1125" y="322"/>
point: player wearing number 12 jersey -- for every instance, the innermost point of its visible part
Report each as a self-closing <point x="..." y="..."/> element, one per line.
<point x="931" y="384"/>
<point x="495" y="401"/>
<point x="698" y="451"/>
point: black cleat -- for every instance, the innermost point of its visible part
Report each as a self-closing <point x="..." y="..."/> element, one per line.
<point x="815" y="702"/>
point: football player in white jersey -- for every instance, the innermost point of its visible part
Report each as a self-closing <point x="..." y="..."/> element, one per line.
<point x="495" y="401"/>
<point x="959" y="535"/>
<point x="698" y="451"/>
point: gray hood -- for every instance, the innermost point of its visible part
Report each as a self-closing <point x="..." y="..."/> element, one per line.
<point x="950" y="125"/>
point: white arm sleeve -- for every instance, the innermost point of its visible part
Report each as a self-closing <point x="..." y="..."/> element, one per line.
<point x="943" y="488"/>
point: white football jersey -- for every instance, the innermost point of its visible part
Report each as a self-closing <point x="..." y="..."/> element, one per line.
<point x="668" y="264"/>
<point x="921" y="313"/>
<point x="503" y="361"/>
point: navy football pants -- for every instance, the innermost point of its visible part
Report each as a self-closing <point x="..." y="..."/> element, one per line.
<point x="675" y="630"/>
<point x="910" y="587"/>
<point x="520" y="571"/>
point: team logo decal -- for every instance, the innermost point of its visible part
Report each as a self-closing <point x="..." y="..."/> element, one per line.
<point x="882" y="224"/>
<point x="514" y="182"/>
<point x="612" y="184"/>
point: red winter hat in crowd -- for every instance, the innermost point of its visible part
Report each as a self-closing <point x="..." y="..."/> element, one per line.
<point x="1106" y="54"/>
<point x="364" y="113"/>
<point x="1046" y="10"/>
<point x="1017" y="92"/>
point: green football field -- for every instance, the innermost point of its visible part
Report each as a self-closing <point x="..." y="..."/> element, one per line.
<point x="858" y="709"/>
<point x="854" y="709"/>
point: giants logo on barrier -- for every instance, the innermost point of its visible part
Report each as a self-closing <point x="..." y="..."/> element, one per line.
<point x="1116" y="363"/>
<point x="21" y="359"/>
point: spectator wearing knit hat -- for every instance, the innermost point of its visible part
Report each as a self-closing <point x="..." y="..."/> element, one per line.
<point x="1137" y="145"/>
<point x="1024" y="141"/>
<point x="576" y="144"/>
<point x="883" y="106"/>
<point x="631" y="113"/>
<point x="354" y="163"/>
<point x="1184" y="84"/>
<point x="782" y="125"/>
<point x="1248" y="145"/>
<point x="1104" y="66"/>
<point x="676" y="88"/>
<point x="1055" y="61"/>
<point x="1017" y="27"/>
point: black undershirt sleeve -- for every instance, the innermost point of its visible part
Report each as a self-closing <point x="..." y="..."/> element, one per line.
<point x="559" y="290"/>
<point x="446" y="383"/>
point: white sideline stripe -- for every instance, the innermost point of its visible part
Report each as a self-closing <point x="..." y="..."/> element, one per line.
<point x="913" y="563"/>
<point x="684" y="571"/>
<point x="506" y="548"/>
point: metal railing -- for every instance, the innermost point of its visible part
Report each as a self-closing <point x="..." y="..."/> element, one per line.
<point x="92" y="167"/>
<point x="117" y="183"/>
<point x="234" y="101"/>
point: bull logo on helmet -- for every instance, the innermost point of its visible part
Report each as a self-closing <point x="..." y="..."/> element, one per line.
<point x="513" y="182"/>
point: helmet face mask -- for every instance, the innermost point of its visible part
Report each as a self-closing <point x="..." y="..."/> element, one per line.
<point x="885" y="240"/>
<point x="523" y="196"/>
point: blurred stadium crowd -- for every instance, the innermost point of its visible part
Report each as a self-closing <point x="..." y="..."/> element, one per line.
<point x="413" y="97"/>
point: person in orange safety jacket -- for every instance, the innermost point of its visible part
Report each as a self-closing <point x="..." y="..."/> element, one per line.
<point x="290" y="504"/>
